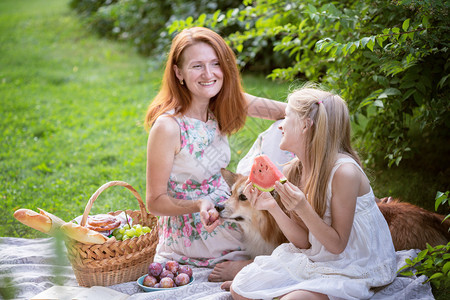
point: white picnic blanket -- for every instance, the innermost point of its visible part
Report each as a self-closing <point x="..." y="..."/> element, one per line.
<point x="33" y="266"/>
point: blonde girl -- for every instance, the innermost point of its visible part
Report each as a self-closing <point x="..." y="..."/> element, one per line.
<point x="340" y="244"/>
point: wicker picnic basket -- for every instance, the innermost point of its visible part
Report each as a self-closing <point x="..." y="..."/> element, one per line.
<point x="116" y="261"/>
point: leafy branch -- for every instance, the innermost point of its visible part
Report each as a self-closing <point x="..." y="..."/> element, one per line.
<point x="433" y="262"/>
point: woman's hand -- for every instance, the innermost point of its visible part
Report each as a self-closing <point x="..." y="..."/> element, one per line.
<point x="291" y="196"/>
<point x="208" y="215"/>
<point x="259" y="200"/>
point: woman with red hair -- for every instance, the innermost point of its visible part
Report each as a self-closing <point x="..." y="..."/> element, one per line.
<point x="200" y="103"/>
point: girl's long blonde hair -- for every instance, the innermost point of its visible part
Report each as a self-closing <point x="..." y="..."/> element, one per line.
<point x="228" y="106"/>
<point x="329" y="135"/>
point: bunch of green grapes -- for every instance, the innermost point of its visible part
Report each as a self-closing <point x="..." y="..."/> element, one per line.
<point x="127" y="232"/>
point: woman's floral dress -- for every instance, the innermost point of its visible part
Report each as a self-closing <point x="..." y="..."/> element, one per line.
<point x="196" y="174"/>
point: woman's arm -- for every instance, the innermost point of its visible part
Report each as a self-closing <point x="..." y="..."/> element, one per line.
<point x="264" y="108"/>
<point x="345" y="189"/>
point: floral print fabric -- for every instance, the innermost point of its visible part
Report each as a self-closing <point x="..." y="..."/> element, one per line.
<point x="196" y="174"/>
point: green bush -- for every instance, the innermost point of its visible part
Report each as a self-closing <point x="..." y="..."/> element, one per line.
<point x="89" y="7"/>
<point x="433" y="262"/>
<point x="143" y="22"/>
<point x="388" y="59"/>
<point x="441" y="199"/>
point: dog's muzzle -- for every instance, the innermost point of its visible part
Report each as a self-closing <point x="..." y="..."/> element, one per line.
<point x="219" y="207"/>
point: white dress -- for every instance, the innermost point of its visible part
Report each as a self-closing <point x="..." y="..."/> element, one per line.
<point x="367" y="261"/>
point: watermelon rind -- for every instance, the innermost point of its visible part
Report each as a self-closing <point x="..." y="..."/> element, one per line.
<point x="262" y="189"/>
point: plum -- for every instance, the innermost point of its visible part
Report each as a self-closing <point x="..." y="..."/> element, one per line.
<point x="172" y="266"/>
<point x="155" y="269"/>
<point x="166" y="273"/>
<point x="185" y="269"/>
<point x="149" y="281"/>
<point x="166" y="282"/>
<point x="182" y="279"/>
<point x="213" y="215"/>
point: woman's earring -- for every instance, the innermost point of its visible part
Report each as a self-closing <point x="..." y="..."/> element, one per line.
<point x="182" y="82"/>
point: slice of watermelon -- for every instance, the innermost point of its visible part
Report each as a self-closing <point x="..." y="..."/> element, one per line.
<point x="264" y="174"/>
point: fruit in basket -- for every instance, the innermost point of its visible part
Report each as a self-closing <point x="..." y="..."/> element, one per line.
<point x="185" y="269"/>
<point x="129" y="232"/>
<point x="182" y="279"/>
<point x="150" y="281"/>
<point x="172" y="266"/>
<point x="155" y="269"/>
<point x="166" y="282"/>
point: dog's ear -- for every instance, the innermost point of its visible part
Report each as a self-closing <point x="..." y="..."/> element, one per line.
<point x="230" y="177"/>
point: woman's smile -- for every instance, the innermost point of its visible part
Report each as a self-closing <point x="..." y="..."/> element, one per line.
<point x="201" y="72"/>
<point x="208" y="83"/>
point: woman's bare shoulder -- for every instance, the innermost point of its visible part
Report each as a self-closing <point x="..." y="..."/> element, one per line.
<point x="166" y="125"/>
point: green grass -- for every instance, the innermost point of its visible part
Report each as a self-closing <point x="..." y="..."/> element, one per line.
<point x="70" y="108"/>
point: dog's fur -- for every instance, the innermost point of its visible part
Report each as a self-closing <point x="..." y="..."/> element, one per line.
<point x="411" y="227"/>
<point x="261" y="234"/>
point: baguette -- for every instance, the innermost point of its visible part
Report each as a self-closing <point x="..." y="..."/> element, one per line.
<point x="83" y="234"/>
<point x="43" y="221"/>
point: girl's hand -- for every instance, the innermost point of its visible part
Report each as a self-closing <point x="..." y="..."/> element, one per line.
<point x="208" y="215"/>
<point x="250" y="191"/>
<point x="259" y="200"/>
<point x="291" y="196"/>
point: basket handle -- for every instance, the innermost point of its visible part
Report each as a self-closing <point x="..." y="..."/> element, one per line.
<point x="88" y="207"/>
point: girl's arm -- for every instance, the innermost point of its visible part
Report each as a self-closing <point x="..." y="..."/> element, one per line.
<point x="346" y="185"/>
<point x="294" y="232"/>
<point x="264" y="108"/>
<point x="163" y="144"/>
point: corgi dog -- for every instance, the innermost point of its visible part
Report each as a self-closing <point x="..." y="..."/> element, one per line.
<point x="411" y="227"/>
<point x="261" y="234"/>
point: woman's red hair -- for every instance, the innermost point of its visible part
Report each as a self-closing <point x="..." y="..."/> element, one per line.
<point x="228" y="106"/>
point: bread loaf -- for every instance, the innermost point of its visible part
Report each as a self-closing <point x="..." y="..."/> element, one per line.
<point x="43" y="221"/>
<point x="83" y="234"/>
<point x="48" y="223"/>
